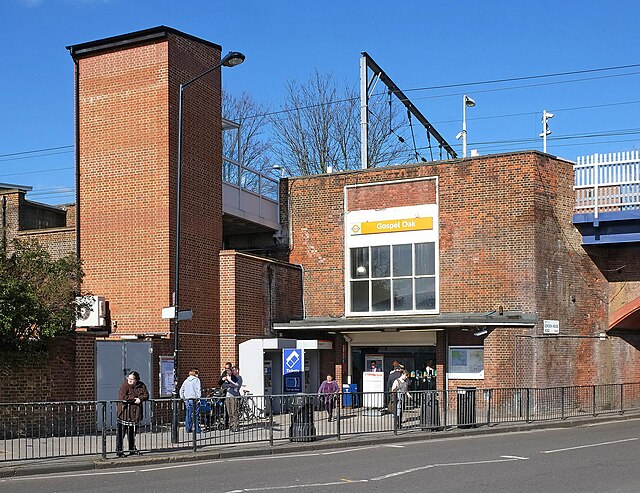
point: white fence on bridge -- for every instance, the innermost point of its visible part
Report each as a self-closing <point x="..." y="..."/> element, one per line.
<point x="607" y="182"/>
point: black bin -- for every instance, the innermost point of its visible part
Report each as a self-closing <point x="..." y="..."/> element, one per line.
<point x="430" y="411"/>
<point x="302" y="428"/>
<point x="466" y="407"/>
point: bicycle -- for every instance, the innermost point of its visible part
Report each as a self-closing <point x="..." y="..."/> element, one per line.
<point x="247" y="408"/>
<point x="212" y="411"/>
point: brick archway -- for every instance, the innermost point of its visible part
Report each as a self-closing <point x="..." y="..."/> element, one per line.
<point x="626" y="317"/>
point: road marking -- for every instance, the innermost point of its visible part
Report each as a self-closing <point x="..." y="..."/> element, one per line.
<point x="297" y="486"/>
<point x="176" y="466"/>
<point x="344" y="451"/>
<point x="267" y="457"/>
<point x="587" y="446"/>
<point x="67" y="476"/>
<point x="589" y="425"/>
<point x="450" y="464"/>
<point x="395" y="446"/>
<point x="514" y="457"/>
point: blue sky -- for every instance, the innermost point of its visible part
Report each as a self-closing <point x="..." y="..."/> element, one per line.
<point x="420" y="44"/>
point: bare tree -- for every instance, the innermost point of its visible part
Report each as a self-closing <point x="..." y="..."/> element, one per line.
<point x="251" y="117"/>
<point x="319" y="126"/>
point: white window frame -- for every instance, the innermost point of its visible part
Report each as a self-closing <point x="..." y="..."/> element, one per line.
<point x="391" y="239"/>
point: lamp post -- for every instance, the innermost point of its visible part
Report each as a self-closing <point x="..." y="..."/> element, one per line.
<point x="545" y="129"/>
<point x="231" y="59"/>
<point x="466" y="101"/>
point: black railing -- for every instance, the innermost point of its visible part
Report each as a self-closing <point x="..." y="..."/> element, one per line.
<point x="58" y="429"/>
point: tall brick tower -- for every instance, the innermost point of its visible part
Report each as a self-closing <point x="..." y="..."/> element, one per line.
<point x="126" y="163"/>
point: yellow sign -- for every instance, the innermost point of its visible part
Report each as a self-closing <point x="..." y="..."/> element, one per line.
<point x="393" y="226"/>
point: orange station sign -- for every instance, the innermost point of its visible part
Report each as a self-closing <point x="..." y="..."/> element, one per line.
<point x="392" y="226"/>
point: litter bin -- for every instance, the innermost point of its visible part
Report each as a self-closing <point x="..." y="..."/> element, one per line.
<point x="349" y="395"/>
<point x="302" y="428"/>
<point x="430" y="411"/>
<point x="466" y="407"/>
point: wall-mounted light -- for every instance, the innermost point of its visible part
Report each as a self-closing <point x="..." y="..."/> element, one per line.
<point x="480" y="332"/>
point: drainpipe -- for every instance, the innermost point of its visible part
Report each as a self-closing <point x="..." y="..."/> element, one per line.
<point x="77" y="138"/>
<point x="270" y="280"/>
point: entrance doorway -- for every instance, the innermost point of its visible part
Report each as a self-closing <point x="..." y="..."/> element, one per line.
<point x="413" y="358"/>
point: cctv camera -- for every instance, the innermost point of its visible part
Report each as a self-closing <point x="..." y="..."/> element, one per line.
<point x="459" y="135"/>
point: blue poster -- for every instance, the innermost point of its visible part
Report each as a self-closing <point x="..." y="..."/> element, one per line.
<point x="292" y="364"/>
<point x="292" y="360"/>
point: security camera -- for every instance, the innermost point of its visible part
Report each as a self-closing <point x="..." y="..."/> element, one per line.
<point x="459" y="136"/>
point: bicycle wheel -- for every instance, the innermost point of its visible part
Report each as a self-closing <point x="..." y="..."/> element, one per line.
<point x="248" y="409"/>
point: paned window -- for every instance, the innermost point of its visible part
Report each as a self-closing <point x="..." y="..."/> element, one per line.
<point x="393" y="278"/>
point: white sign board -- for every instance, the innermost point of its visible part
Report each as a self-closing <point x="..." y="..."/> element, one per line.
<point x="169" y="312"/>
<point x="551" y="327"/>
<point x="466" y="362"/>
<point x="373" y="383"/>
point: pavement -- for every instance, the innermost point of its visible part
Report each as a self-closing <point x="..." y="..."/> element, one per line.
<point x="215" y="452"/>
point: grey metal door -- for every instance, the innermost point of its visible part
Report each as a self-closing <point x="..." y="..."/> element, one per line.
<point x="114" y="361"/>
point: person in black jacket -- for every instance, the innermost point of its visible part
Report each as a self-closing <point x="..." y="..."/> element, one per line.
<point x="225" y="382"/>
<point x="394" y="374"/>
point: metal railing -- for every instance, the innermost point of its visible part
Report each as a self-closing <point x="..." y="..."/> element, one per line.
<point x="607" y="182"/>
<point x="59" y="429"/>
<point x="235" y="174"/>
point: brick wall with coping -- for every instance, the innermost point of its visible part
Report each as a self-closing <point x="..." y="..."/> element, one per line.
<point x="128" y="120"/>
<point x="506" y="239"/>
<point x="254" y="293"/>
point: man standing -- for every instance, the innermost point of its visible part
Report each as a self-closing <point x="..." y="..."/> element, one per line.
<point x="232" y="385"/>
<point x="191" y="392"/>
<point x="221" y="382"/>
<point x="394" y="374"/>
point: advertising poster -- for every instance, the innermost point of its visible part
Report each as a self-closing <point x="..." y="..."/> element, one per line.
<point x="373" y="388"/>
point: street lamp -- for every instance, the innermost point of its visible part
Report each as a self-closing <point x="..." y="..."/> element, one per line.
<point x="545" y="129"/>
<point x="278" y="167"/>
<point x="231" y="59"/>
<point x="466" y="101"/>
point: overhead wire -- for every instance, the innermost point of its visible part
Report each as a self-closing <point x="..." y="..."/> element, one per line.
<point x="34" y="153"/>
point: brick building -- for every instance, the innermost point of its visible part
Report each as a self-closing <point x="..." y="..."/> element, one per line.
<point x="53" y="227"/>
<point x="459" y="262"/>
<point x="473" y="264"/>
<point x="127" y="126"/>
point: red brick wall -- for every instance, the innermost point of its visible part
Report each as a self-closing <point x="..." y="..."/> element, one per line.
<point x="506" y="239"/>
<point x="59" y="242"/>
<point x="392" y="195"/>
<point x="254" y="292"/>
<point x="42" y="377"/>
<point x="128" y="120"/>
